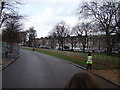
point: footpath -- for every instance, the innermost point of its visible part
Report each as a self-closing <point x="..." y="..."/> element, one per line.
<point x="8" y="59"/>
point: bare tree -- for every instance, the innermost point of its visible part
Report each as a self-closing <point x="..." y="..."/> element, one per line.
<point x="61" y="30"/>
<point x="31" y="33"/>
<point x="106" y="15"/>
<point x="10" y="33"/>
<point x="7" y="8"/>
<point x="72" y="40"/>
<point x="82" y="30"/>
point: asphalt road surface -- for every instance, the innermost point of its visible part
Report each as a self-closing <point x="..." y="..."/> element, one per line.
<point x="36" y="70"/>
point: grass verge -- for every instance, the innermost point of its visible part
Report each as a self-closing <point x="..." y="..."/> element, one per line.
<point x="74" y="59"/>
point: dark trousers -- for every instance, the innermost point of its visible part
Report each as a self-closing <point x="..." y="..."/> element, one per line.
<point x="89" y="66"/>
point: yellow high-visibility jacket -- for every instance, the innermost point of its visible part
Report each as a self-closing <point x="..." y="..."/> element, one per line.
<point x="89" y="60"/>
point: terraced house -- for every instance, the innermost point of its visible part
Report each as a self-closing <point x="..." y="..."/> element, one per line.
<point x="90" y="43"/>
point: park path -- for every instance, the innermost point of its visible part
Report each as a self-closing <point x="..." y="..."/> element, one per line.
<point x="37" y="70"/>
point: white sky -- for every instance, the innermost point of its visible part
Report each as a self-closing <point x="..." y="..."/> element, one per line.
<point x="44" y="14"/>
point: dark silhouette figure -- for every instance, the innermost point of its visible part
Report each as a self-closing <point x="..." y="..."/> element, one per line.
<point x="33" y="49"/>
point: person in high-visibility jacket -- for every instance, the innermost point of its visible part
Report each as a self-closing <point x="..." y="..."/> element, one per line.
<point x="89" y="61"/>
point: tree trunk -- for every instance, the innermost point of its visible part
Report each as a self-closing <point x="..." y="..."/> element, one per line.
<point x="62" y="46"/>
<point x="11" y="47"/>
<point x="108" y="41"/>
<point x="109" y="50"/>
<point x="83" y="48"/>
<point x="1" y="9"/>
<point x="59" y="45"/>
<point x="72" y="44"/>
<point x="99" y="46"/>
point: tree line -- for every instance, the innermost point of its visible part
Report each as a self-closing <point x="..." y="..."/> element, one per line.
<point x="96" y="18"/>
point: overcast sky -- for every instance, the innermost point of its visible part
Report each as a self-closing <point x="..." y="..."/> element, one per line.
<point x="44" y="14"/>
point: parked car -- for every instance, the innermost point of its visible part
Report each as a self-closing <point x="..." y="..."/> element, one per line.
<point x="118" y="51"/>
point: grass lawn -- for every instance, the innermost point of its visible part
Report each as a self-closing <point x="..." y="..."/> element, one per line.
<point x="101" y="61"/>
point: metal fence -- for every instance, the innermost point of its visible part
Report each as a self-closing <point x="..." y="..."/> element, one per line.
<point x="9" y="48"/>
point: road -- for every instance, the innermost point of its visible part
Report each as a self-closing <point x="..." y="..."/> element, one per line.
<point x="37" y="70"/>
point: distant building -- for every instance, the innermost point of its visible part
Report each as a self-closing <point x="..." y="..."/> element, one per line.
<point x="92" y="43"/>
